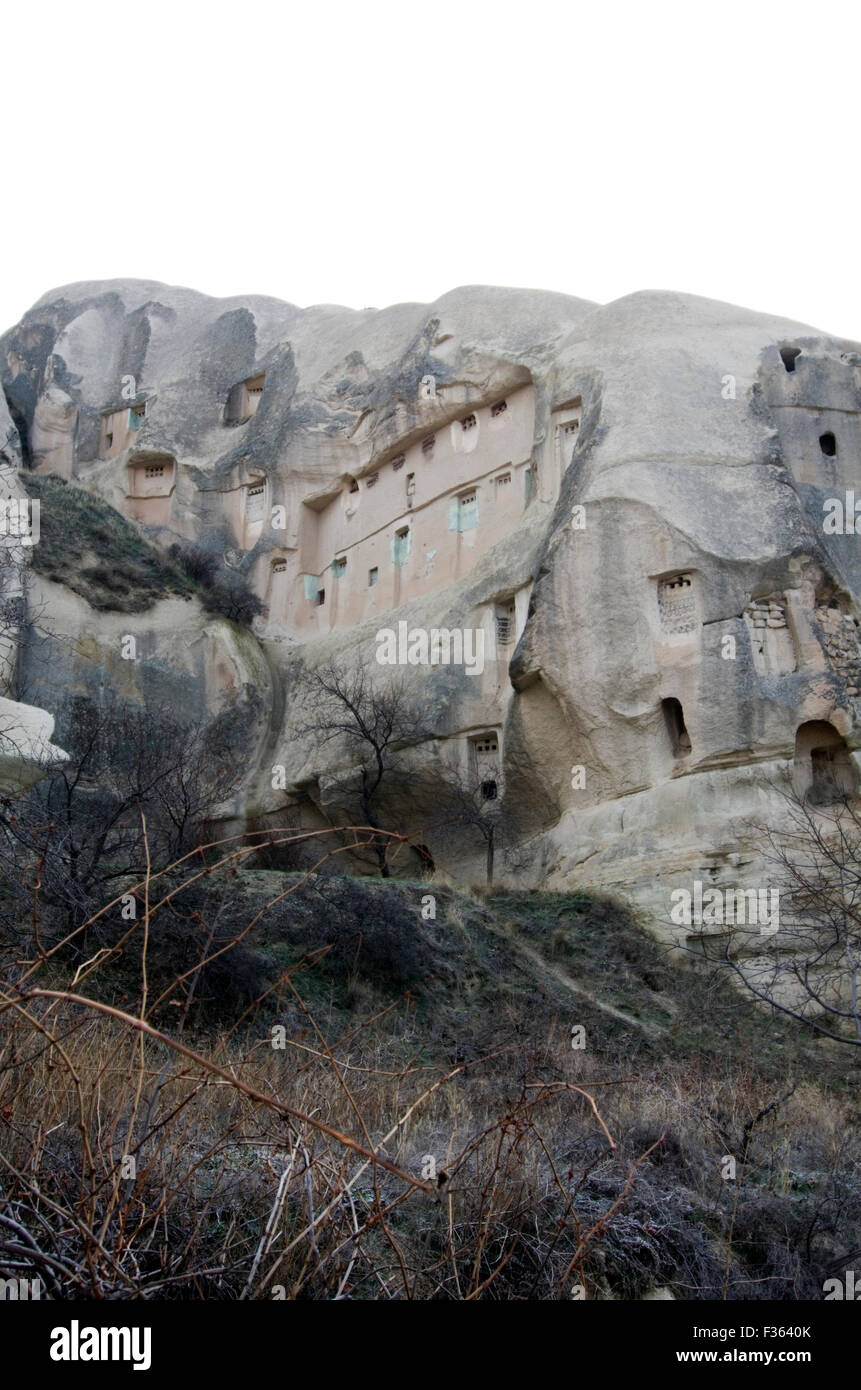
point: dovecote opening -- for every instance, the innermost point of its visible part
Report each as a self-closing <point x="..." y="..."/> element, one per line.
<point x="789" y="356"/>
<point x="428" y="445"/>
<point x="466" y="511"/>
<point x="401" y="546"/>
<point x="244" y="399"/>
<point x="498" y="409"/>
<point x="484" y="764"/>
<point x="152" y="477"/>
<point x="150" y="487"/>
<point x="255" y="498"/>
<point x="677" y="605"/>
<point x="505" y="621"/>
<point x="468" y="422"/>
<point x="828" y="444"/>
<point x="118" y="425"/>
<point x="398" y="463"/>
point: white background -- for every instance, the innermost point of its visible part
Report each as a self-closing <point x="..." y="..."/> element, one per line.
<point x="368" y="153"/>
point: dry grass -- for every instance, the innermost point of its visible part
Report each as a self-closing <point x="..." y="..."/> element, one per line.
<point x="152" y="1162"/>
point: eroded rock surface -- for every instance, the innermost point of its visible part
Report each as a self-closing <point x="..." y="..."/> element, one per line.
<point x="642" y="506"/>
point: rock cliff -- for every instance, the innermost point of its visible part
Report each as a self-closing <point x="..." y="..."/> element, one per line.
<point x="646" y="508"/>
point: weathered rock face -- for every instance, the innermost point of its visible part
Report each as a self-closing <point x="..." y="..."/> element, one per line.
<point x="635" y="504"/>
<point x="26" y="750"/>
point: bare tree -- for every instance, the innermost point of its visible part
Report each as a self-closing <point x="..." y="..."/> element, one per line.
<point x="470" y="807"/>
<point x="810" y="967"/>
<point x="80" y="831"/>
<point x="372" y="721"/>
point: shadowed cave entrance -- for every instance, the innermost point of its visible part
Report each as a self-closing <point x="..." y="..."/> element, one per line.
<point x="822" y="773"/>
<point x="674" y="723"/>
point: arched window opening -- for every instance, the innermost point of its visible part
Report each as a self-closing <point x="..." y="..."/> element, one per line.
<point x="674" y="722"/>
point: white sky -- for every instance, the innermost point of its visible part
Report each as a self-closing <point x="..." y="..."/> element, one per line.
<point x="373" y="152"/>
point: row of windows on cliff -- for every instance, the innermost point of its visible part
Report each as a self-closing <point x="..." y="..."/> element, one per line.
<point x="243" y="401"/>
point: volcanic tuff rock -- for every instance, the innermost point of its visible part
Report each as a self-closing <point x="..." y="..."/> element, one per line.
<point x="627" y="500"/>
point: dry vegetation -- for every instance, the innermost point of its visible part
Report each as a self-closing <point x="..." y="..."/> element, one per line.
<point x="303" y="1172"/>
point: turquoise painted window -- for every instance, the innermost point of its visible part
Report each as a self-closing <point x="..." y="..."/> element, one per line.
<point x="312" y="585"/>
<point x="527" y="486"/>
<point x="401" y="546"/>
<point x="463" y="513"/>
<point x="339" y="567"/>
<point x="135" y="419"/>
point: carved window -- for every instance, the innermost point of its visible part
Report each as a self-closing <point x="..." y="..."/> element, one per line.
<point x="677" y="604"/>
<point x="401" y="546"/>
<point x="674" y="722"/>
<point x="505" y="623"/>
<point x="789" y="357"/>
<point x="254" y="500"/>
<point x="467" y="511"/>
